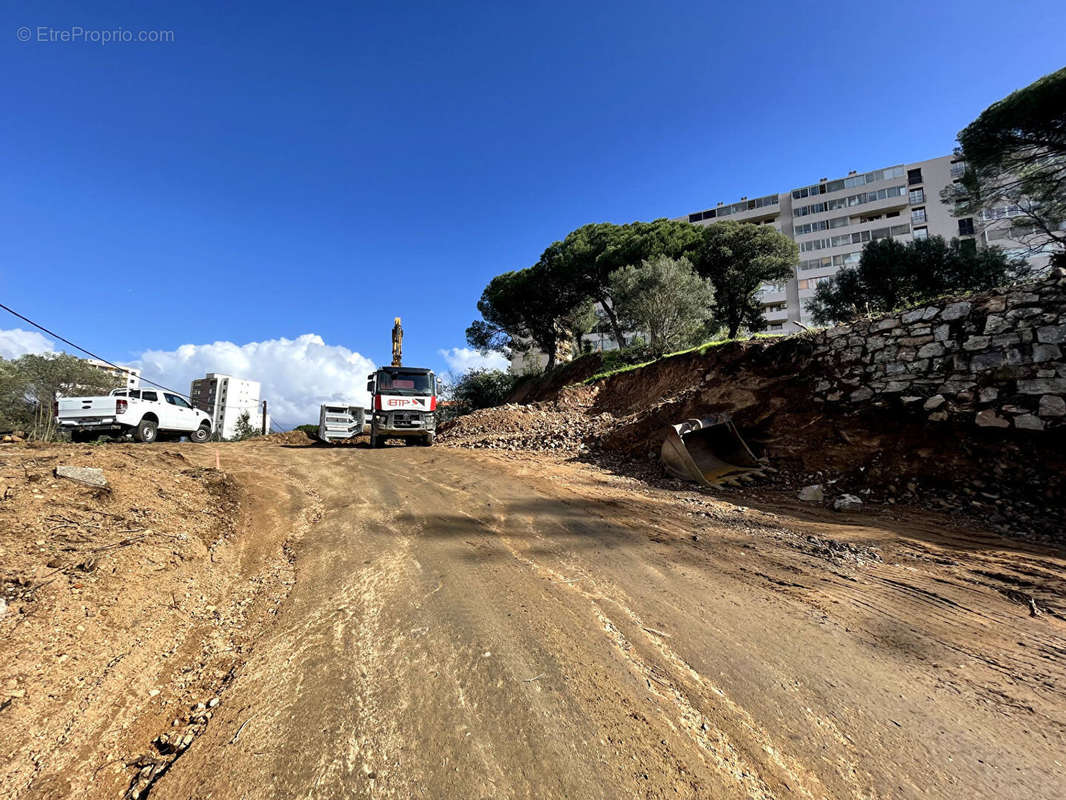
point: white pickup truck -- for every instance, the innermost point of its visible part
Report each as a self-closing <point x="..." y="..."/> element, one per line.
<point x="146" y="413"/>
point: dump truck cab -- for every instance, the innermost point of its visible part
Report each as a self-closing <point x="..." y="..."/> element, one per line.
<point x="404" y="405"/>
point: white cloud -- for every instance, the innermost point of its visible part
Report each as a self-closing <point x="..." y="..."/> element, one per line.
<point x="461" y="359"/>
<point x="297" y="375"/>
<point x="17" y="342"/>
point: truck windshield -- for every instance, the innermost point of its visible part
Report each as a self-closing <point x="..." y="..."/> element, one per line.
<point x="405" y="383"/>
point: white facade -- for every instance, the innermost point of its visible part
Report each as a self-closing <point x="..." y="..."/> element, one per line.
<point x="129" y="376"/>
<point x="225" y="398"/>
<point x="832" y="220"/>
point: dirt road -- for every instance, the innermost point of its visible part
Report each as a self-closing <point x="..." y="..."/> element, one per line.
<point x="468" y="625"/>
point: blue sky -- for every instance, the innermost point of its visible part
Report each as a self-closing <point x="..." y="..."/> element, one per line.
<point x="279" y="169"/>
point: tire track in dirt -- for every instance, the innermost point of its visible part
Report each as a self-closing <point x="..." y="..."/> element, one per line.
<point x="393" y="690"/>
<point x="668" y="687"/>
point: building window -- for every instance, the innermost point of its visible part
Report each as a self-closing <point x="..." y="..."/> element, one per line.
<point x="921" y="233"/>
<point x="917" y="196"/>
<point x="918" y="215"/>
<point x="966" y="226"/>
<point x="958" y="169"/>
<point x="914" y="176"/>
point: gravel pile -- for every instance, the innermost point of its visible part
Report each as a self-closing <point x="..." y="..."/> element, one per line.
<point x="526" y="427"/>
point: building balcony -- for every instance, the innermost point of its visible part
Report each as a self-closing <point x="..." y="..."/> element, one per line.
<point x="776" y="314"/>
<point x="773" y="296"/>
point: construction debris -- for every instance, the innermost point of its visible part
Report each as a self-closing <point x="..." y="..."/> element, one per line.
<point x="847" y="502"/>
<point x="522" y="427"/>
<point x="90" y="476"/>
<point x="709" y="450"/>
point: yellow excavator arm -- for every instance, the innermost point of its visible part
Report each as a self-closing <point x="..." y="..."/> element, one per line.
<point x="397" y="344"/>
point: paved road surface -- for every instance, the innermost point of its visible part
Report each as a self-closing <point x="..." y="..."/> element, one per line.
<point x="468" y="626"/>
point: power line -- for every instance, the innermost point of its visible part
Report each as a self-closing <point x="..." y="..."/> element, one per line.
<point x="88" y="352"/>
<point x="119" y="367"/>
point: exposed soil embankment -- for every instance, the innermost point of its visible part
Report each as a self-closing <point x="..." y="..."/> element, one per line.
<point x="1013" y="479"/>
<point x="885" y="446"/>
<point x="125" y="610"/>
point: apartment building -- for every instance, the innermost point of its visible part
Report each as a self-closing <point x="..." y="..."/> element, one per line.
<point x="225" y="398"/>
<point x="832" y="220"/>
<point x="128" y="377"/>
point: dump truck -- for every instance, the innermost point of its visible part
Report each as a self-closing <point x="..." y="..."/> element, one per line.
<point x="339" y="421"/>
<point x="404" y="405"/>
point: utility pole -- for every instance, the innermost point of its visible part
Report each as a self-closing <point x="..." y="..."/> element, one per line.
<point x="265" y="431"/>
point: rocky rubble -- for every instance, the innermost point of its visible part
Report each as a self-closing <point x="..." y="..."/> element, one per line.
<point x="532" y="427"/>
<point x="169" y="745"/>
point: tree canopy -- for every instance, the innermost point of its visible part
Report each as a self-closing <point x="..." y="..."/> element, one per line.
<point x="481" y="388"/>
<point x="524" y="309"/>
<point x="665" y="298"/>
<point x="550" y="303"/>
<point x="892" y="275"/>
<point x="244" y="429"/>
<point x="585" y="259"/>
<point x="738" y="258"/>
<point x="31" y="383"/>
<point x="1015" y="155"/>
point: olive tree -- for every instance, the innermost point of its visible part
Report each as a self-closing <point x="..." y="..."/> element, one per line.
<point x="584" y="261"/>
<point x="665" y="298"/>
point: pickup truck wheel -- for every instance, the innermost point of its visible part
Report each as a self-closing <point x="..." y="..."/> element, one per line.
<point x="146" y="431"/>
<point x="429" y="439"/>
<point x="200" y="435"/>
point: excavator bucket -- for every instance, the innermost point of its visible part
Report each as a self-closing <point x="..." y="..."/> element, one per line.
<point x="709" y="451"/>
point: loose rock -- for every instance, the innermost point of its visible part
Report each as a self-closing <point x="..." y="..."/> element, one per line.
<point x="90" y="476"/>
<point x="847" y="502"/>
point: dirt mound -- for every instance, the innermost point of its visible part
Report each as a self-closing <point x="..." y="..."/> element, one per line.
<point x="526" y="427"/>
<point x="121" y="608"/>
<point x="289" y="437"/>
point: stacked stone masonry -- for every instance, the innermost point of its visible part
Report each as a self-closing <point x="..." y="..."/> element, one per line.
<point x="994" y="360"/>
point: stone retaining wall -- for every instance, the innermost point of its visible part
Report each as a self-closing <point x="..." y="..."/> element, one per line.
<point x="994" y="360"/>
